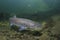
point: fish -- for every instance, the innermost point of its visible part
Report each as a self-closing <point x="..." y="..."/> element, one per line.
<point x="24" y="23"/>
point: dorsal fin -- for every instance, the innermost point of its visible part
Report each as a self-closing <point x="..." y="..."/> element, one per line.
<point x="14" y="16"/>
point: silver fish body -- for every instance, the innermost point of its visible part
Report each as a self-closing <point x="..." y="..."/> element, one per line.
<point x="24" y="23"/>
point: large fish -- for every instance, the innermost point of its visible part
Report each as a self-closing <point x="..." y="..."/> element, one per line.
<point x="24" y="23"/>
